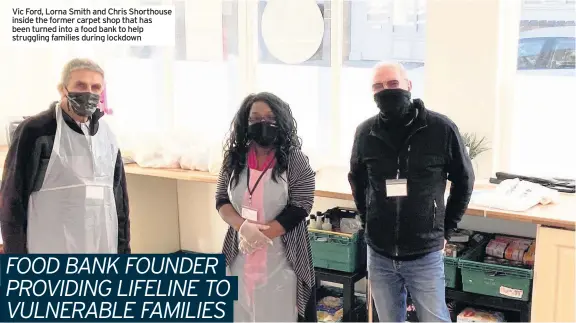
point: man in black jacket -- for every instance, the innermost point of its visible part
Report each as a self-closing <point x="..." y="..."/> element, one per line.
<point x="63" y="185"/>
<point x="401" y="159"/>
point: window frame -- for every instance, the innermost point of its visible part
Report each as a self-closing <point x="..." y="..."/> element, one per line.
<point x="248" y="61"/>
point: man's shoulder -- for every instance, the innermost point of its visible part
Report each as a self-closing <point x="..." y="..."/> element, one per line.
<point x="366" y="126"/>
<point x="435" y="118"/>
<point x="36" y="126"/>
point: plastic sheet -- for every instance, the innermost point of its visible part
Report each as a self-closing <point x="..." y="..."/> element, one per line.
<point x="515" y="195"/>
<point x="156" y="151"/>
<point x="175" y="150"/>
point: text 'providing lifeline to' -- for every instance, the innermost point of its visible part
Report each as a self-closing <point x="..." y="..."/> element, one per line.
<point x="143" y="288"/>
<point x="145" y="26"/>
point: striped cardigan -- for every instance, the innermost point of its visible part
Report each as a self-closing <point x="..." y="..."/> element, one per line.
<point x="301" y="186"/>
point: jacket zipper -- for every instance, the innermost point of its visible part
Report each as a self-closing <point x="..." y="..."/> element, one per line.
<point x="408" y="159"/>
<point x="434" y="219"/>
<point x="397" y="231"/>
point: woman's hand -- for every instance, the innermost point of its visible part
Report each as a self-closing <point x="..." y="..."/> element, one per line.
<point x="252" y="233"/>
<point x="245" y="247"/>
<point x="275" y="230"/>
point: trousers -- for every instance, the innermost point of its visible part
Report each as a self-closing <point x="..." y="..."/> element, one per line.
<point x="423" y="278"/>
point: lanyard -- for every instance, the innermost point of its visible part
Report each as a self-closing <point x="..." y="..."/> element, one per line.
<point x="251" y="191"/>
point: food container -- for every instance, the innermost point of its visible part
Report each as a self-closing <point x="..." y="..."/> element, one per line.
<point x="473" y="315"/>
<point x="528" y="259"/>
<point x="493" y="275"/>
<point x="460" y="235"/>
<point x="496" y="248"/>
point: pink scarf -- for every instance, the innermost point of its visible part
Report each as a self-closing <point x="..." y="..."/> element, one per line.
<point x="255" y="265"/>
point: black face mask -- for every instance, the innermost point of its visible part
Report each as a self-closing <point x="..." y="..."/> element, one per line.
<point x="263" y="133"/>
<point x="394" y="103"/>
<point x="83" y="104"/>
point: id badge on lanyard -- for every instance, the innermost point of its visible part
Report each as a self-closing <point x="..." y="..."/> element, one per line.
<point x="248" y="212"/>
<point x="396" y="187"/>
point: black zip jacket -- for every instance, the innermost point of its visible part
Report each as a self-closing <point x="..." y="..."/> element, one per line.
<point x="432" y="153"/>
<point x="24" y="170"/>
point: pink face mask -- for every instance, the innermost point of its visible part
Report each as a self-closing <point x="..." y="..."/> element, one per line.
<point x="104" y="103"/>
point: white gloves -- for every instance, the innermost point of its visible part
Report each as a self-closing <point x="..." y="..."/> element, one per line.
<point x="251" y="237"/>
<point x="245" y="248"/>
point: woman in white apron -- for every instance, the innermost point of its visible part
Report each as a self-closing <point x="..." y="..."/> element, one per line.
<point x="265" y="191"/>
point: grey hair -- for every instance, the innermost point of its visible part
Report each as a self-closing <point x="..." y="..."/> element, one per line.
<point x="79" y="64"/>
<point x="394" y="64"/>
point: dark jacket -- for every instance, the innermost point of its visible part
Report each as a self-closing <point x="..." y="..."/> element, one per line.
<point x="24" y="170"/>
<point x="432" y="153"/>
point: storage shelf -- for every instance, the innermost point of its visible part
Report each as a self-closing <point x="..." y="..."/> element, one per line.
<point x="497" y="303"/>
<point x="339" y="277"/>
<point x="488" y="301"/>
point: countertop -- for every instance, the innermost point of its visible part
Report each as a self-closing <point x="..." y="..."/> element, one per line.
<point x="333" y="183"/>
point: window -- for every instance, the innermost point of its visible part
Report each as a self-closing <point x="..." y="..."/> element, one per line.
<point x="134" y="80"/>
<point x="294" y="63"/>
<point x="529" y="52"/>
<point x="184" y="95"/>
<point x="542" y="129"/>
<point x="135" y="91"/>
<point x="205" y="69"/>
<point x="562" y="54"/>
<point x="319" y="59"/>
<point x="377" y="31"/>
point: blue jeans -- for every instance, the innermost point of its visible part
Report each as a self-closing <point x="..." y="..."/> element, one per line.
<point x="424" y="280"/>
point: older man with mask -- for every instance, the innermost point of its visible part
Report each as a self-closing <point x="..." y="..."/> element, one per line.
<point x="400" y="161"/>
<point x="64" y="187"/>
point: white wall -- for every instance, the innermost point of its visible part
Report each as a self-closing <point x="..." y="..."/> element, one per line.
<point x="27" y="83"/>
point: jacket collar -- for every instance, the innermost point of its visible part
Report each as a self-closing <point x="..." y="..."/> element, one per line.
<point x="94" y="120"/>
<point x="419" y="122"/>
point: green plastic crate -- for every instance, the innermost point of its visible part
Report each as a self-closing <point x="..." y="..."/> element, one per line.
<point x="452" y="275"/>
<point x="332" y="250"/>
<point x="495" y="280"/>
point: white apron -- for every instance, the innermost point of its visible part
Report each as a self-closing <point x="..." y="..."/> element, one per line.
<point x="275" y="299"/>
<point x="75" y="211"/>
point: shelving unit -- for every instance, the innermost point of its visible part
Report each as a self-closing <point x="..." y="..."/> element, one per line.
<point x="497" y="303"/>
<point x="348" y="280"/>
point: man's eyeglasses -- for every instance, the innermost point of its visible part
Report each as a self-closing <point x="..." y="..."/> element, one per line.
<point x="392" y="84"/>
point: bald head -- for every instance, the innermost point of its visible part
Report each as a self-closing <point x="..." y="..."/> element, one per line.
<point x="390" y="75"/>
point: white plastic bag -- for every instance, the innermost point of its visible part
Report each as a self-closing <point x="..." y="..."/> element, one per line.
<point x="156" y="151"/>
<point x="195" y="158"/>
<point x="515" y="195"/>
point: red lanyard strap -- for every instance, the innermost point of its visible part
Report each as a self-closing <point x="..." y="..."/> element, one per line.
<point x="251" y="191"/>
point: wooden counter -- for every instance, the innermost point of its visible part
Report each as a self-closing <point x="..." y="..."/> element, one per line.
<point x="334" y="184"/>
